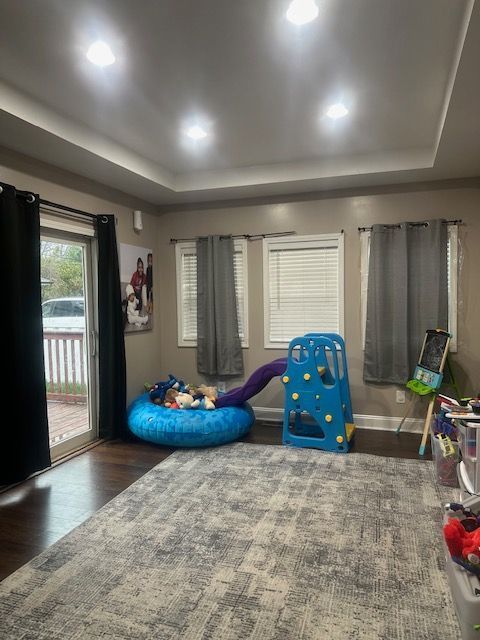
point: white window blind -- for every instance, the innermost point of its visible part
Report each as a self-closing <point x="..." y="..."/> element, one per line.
<point x="186" y="267"/>
<point x="303" y="287"/>
<point x="188" y="292"/>
<point x="239" y="273"/>
<point x="58" y="222"/>
<point x="452" y="281"/>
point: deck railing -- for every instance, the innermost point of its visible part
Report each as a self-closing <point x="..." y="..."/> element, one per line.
<point x="65" y="366"/>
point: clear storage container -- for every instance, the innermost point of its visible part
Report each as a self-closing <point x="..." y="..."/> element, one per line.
<point x="465" y="587"/>
<point x="469" y="439"/>
<point x="445" y="459"/>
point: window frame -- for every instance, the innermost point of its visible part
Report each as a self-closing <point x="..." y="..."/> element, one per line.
<point x="299" y="242"/>
<point x="189" y="247"/>
<point x="452" y="284"/>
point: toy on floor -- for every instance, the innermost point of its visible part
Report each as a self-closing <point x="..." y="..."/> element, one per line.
<point x="178" y="414"/>
<point x="197" y="428"/>
<point x="317" y="394"/>
<point x="166" y="393"/>
<point x="206" y="397"/>
<point x="159" y="390"/>
<point x="316" y="384"/>
<point x="184" y="401"/>
<point x="428" y="376"/>
<point x="255" y="383"/>
<point x="318" y="409"/>
<point x="170" y="399"/>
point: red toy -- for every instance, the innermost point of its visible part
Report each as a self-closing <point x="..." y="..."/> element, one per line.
<point x="461" y="543"/>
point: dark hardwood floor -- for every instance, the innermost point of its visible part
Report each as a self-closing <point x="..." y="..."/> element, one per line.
<point x="36" y="513"/>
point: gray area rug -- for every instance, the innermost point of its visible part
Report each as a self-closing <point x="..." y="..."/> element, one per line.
<point x="247" y="542"/>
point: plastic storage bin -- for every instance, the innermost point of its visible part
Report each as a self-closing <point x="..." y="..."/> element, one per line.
<point x="469" y="440"/>
<point x="465" y="588"/>
<point x="466" y="489"/>
<point x="445" y="465"/>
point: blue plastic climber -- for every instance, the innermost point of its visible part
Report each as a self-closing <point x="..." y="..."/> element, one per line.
<point x="318" y="409"/>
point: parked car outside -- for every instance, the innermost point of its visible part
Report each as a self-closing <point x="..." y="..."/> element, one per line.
<point x="64" y="314"/>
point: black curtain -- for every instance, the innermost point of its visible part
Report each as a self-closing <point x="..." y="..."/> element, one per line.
<point x="24" y="447"/>
<point x="112" y="369"/>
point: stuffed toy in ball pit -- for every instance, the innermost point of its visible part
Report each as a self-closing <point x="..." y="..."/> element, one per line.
<point x="175" y="394"/>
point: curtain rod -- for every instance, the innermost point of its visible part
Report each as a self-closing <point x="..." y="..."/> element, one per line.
<point x="30" y="197"/>
<point x="63" y="207"/>
<point x="242" y="235"/>
<point x="412" y="224"/>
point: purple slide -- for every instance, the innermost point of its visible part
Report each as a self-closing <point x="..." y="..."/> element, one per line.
<point x="257" y="381"/>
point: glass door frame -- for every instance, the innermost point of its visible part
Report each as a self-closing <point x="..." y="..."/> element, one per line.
<point x="89" y="244"/>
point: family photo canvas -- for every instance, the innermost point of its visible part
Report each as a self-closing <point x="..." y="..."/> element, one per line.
<point x="136" y="282"/>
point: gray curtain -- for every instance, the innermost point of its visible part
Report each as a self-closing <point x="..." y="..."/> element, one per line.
<point x="407" y="294"/>
<point x="219" y="351"/>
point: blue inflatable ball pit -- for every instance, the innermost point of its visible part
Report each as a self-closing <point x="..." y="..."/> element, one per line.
<point x="188" y="427"/>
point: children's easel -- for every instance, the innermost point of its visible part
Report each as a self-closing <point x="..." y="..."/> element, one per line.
<point x="428" y="375"/>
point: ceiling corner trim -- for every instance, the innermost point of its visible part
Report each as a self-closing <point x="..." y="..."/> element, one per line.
<point x="36" y="115"/>
<point x="306" y="171"/>
<point x="453" y="74"/>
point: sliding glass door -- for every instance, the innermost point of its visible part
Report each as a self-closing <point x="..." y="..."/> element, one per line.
<point x="69" y="339"/>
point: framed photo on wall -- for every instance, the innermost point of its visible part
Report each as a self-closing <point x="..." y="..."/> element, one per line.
<point x="136" y="282"/>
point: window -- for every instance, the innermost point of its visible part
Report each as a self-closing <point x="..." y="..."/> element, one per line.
<point x="452" y="281"/>
<point x="186" y="266"/>
<point x="302" y="287"/>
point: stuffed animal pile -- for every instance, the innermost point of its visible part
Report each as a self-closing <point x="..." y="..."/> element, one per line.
<point x="175" y="394"/>
<point x="462" y="535"/>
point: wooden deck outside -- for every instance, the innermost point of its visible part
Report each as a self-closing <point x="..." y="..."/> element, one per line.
<point x="66" y="420"/>
<point x="65" y="366"/>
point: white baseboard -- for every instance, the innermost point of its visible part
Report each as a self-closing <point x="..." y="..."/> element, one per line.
<point x="387" y="423"/>
<point x="268" y="415"/>
<point x="379" y="423"/>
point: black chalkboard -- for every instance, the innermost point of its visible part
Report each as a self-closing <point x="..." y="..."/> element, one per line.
<point x="434" y="347"/>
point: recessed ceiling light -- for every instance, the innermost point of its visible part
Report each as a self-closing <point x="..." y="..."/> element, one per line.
<point x="196" y="132"/>
<point x="99" y="53"/>
<point x="337" y="110"/>
<point x="302" y="11"/>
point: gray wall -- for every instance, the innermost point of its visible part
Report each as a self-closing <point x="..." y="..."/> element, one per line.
<point x="151" y="355"/>
<point x="142" y="349"/>
<point x="328" y="215"/>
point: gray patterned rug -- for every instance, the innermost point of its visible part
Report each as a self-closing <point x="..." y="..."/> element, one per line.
<point x="247" y="542"/>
